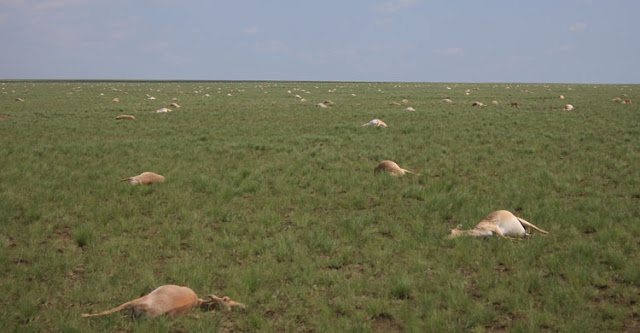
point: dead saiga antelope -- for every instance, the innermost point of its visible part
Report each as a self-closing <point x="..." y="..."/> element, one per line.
<point x="393" y="169"/>
<point x="377" y="123"/>
<point x="144" y="178"/>
<point x="501" y="222"/>
<point x="171" y="300"/>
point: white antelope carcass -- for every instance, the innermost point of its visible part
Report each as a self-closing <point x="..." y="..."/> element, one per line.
<point x="144" y="178"/>
<point x="163" y="110"/>
<point x="116" y="100"/>
<point x="125" y="116"/>
<point x="477" y="104"/>
<point x="568" y="107"/>
<point x="501" y="222"/>
<point x="19" y="99"/>
<point x="447" y="100"/>
<point x="393" y="169"/>
<point x="376" y="122"/>
<point x="171" y="300"/>
<point x="321" y="105"/>
<point x="174" y="105"/>
<point x="410" y="109"/>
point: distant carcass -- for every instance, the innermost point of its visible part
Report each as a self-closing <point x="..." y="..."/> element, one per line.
<point x="376" y="122"/>
<point x="125" y="116"/>
<point x="393" y="168"/>
<point x="144" y="178"/>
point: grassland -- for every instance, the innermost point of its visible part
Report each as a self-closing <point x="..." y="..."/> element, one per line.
<point x="273" y="202"/>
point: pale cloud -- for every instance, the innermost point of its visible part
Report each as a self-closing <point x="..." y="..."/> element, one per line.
<point x="271" y="46"/>
<point x="452" y="51"/>
<point x="251" y="30"/>
<point x="13" y="3"/>
<point x="55" y="4"/>
<point x="392" y="6"/>
<point x="152" y="47"/>
<point x="386" y="20"/>
<point x="120" y="34"/>
<point x="561" y="49"/>
<point x="349" y="52"/>
<point x="580" y="26"/>
<point x="51" y="9"/>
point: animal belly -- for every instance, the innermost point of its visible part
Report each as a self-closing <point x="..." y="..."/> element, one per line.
<point x="512" y="229"/>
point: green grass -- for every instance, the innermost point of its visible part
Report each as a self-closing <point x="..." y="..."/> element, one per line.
<point x="274" y="202"/>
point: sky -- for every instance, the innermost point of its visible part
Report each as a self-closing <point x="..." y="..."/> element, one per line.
<point x="542" y="41"/>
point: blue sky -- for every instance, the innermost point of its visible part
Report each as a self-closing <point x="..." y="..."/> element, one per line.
<point x="554" y="41"/>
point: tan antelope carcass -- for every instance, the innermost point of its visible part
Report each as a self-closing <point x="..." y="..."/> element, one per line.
<point x="501" y="222"/>
<point x="376" y="122"/>
<point x="393" y="169"/>
<point x="171" y="300"/>
<point x="125" y="116"/>
<point x="568" y="107"/>
<point x="163" y="110"/>
<point x="144" y="178"/>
